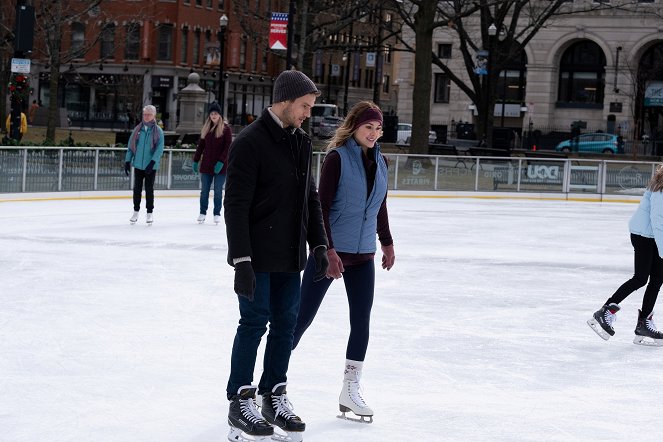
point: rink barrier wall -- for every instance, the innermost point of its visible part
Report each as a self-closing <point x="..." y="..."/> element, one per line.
<point x="90" y="171"/>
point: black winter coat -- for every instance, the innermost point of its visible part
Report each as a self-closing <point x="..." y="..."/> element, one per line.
<point x="271" y="204"/>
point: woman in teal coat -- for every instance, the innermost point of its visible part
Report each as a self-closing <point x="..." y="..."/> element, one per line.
<point x="144" y="152"/>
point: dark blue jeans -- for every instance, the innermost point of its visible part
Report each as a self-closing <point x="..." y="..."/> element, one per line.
<point x="359" y="285"/>
<point x="276" y="302"/>
<point x="206" y="180"/>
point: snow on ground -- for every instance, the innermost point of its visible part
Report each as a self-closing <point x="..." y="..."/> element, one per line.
<point x="113" y="332"/>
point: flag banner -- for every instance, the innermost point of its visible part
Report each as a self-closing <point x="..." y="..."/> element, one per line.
<point x="278" y="31"/>
<point x="370" y="59"/>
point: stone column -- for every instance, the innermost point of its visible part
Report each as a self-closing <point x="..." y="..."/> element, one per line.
<point x="193" y="106"/>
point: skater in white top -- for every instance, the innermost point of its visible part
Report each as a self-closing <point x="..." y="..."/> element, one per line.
<point x="353" y="197"/>
<point x="646" y="227"/>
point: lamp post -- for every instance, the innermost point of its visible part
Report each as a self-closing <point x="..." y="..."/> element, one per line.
<point x="492" y="32"/>
<point x="223" y="24"/>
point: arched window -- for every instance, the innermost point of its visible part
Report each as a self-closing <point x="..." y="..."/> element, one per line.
<point x="77" y="39"/>
<point x="582" y="75"/>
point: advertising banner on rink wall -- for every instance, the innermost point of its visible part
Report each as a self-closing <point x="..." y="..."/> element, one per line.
<point x="278" y="31"/>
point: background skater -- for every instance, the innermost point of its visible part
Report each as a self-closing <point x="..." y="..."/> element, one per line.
<point x="646" y="227"/>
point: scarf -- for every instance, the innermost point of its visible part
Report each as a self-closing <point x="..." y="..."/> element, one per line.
<point x="137" y="130"/>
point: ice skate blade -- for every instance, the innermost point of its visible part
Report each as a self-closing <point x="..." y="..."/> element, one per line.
<point x="360" y="419"/>
<point x="287" y="436"/>
<point x="237" y="435"/>
<point x="594" y="325"/>
<point x="647" y="342"/>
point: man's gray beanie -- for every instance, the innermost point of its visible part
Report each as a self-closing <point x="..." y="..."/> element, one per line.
<point x="290" y="85"/>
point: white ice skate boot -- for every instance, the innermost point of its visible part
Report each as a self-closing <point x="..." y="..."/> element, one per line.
<point x="149" y="219"/>
<point x="351" y="398"/>
<point x="134" y="218"/>
<point x="201" y="218"/>
<point x="217" y="219"/>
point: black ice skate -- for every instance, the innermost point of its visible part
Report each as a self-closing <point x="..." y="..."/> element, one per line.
<point x="645" y="331"/>
<point x="277" y="410"/>
<point x="603" y="319"/>
<point x="245" y="421"/>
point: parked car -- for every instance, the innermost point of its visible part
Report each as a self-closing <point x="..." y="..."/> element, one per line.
<point x="594" y="142"/>
<point x="327" y="126"/>
<point x="405" y="132"/>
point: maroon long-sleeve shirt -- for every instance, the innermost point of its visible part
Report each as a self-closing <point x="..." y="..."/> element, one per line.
<point x="329" y="177"/>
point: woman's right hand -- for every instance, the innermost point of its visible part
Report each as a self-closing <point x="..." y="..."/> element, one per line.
<point x="335" y="269"/>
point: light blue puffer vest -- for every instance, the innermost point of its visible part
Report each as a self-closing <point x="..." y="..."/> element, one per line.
<point x="353" y="217"/>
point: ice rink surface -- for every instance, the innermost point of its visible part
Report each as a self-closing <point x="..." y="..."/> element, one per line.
<point x="113" y="332"/>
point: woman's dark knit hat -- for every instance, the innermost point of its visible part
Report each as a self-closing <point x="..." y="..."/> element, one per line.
<point x="214" y="107"/>
<point x="290" y="85"/>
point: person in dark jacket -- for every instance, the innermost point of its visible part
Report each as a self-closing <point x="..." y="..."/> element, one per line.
<point x="353" y="196"/>
<point x="215" y="139"/>
<point x="144" y="152"/>
<point x="272" y="211"/>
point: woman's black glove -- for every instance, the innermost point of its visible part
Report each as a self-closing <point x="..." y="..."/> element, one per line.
<point x="321" y="263"/>
<point x="127" y="168"/>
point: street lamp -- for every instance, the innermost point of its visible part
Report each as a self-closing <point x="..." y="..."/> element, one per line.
<point x="223" y="24"/>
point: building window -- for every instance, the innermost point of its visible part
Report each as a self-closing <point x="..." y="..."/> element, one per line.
<point x="196" y="47"/>
<point x="184" y="48"/>
<point x="387" y="53"/>
<point x="442" y="87"/>
<point x="187" y="2"/>
<point x="444" y="50"/>
<point x="222" y="5"/>
<point x="132" y="45"/>
<point x="242" y="54"/>
<point x="165" y="48"/>
<point x="582" y="74"/>
<point x="77" y="39"/>
<point x="254" y="58"/>
<point x="385" y="84"/>
<point x="199" y="2"/>
<point x="108" y="41"/>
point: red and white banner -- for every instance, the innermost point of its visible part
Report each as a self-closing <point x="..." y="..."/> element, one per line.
<point x="278" y="31"/>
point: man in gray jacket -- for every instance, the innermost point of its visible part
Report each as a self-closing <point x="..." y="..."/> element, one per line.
<point x="272" y="210"/>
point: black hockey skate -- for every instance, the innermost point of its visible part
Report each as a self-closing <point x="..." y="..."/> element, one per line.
<point x="246" y="423"/>
<point x="645" y="331"/>
<point x="277" y="410"/>
<point x="603" y="319"/>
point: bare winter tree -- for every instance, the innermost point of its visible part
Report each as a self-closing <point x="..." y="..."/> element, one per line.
<point x="7" y="17"/>
<point x="517" y="22"/>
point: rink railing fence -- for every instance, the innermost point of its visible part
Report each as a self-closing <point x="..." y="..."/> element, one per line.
<point x="58" y="169"/>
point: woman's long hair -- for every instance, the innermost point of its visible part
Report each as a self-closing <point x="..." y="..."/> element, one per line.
<point x="209" y="125"/>
<point x="347" y="128"/>
<point x="656" y="182"/>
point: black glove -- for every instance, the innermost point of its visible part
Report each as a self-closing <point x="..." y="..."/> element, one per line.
<point x="127" y="168"/>
<point x="321" y="263"/>
<point x="245" y="280"/>
<point x="150" y="167"/>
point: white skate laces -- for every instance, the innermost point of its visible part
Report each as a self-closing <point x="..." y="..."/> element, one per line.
<point x="649" y="322"/>
<point x="355" y="393"/>
<point x="250" y="410"/>
<point x="282" y="406"/>
<point x="610" y="316"/>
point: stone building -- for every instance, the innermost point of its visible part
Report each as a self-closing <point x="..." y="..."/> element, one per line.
<point x="581" y="68"/>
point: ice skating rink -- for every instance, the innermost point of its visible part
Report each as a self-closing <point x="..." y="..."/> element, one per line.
<point x="113" y="332"/>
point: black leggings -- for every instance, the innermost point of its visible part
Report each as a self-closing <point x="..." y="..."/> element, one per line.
<point x="139" y="177"/>
<point x="648" y="266"/>
<point x="359" y="285"/>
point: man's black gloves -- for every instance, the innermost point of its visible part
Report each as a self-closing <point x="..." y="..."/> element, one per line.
<point x="321" y="263"/>
<point x="127" y="168"/>
<point x="150" y="167"/>
<point x="245" y="280"/>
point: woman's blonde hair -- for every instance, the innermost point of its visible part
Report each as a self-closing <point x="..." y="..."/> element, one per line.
<point x="656" y="182"/>
<point x="347" y="128"/>
<point x="209" y="124"/>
